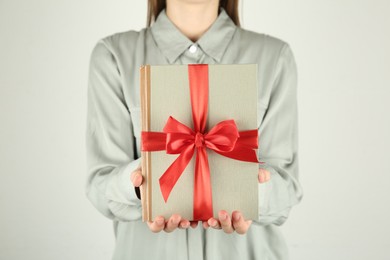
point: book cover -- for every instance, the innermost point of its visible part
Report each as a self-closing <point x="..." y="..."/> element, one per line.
<point x="216" y="176"/>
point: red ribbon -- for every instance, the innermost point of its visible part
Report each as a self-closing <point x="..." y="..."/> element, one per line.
<point x="176" y="138"/>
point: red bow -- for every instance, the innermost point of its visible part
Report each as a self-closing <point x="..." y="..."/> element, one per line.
<point x="177" y="138"/>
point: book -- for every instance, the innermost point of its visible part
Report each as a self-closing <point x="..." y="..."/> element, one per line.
<point x="232" y="94"/>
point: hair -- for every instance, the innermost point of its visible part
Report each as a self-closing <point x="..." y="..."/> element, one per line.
<point x="156" y="6"/>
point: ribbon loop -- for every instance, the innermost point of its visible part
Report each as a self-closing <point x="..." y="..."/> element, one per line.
<point x="223" y="136"/>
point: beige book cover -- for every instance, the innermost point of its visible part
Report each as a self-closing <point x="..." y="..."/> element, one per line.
<point x="233" y="95"/>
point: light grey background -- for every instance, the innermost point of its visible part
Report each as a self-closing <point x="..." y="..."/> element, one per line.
<point x="343" y="57"/>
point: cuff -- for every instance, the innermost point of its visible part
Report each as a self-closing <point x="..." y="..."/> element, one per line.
<point x="121" y="194"/>
<point x="274" y="199"/>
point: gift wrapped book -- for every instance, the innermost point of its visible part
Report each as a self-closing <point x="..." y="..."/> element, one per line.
<point x="199" y="140"/>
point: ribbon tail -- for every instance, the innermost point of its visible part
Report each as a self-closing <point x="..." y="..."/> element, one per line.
<point x="249" y="139"/>
<point x="241" y="154"/>
<point x="203" y="207"/>
<point x="244" y="147"/>
<point x="173" y="173"/>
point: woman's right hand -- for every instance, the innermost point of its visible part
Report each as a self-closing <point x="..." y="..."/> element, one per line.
<point x="159" y="223"/>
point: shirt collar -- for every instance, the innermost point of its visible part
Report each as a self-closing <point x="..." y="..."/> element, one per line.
<point x="172" y="42"/>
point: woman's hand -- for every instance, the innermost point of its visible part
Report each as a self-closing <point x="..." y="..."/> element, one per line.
<point x="263" y="175"/>
<point x="228" y="224"/>
<point x="236" y="222"/>
<point x="174" y="222"/>
<point x="159" y="223"/>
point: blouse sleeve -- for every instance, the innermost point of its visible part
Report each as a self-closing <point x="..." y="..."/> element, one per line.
<point x="109" y="140"/>
<point x="278" y="144"/>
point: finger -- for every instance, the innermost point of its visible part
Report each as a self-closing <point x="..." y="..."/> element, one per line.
<point x="267" y="175"/>
<point x="214" y="223"/>
<point x="205" y="225"/>
<point x="226" y="222"/>
<point x="263" y="175"/>
<point x="157" y="225"/>
<point x="184" y="223"/>
<point x="172" y="223"/>
<point x="240" y="225"/>
<point x="193" y="224"/>
<point x="136" y="177"/>
<point x="260" y="176"/>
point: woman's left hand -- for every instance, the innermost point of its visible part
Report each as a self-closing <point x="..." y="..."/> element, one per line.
<point x="237" y="221"/>
<point x="229" y="224"/>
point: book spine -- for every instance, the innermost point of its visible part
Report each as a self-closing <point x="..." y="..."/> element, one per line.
<point x="145" y="160"/>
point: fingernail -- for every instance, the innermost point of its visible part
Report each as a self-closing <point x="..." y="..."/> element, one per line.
<point x="237" y="217"/>
<point x="175" y="221"/>
<point x="222" y="216"/>
<point x="159" y="221"/>
<point x="185" y="225"/>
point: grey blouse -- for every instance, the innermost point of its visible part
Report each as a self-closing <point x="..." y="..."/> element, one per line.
<point x="113" y="137"/>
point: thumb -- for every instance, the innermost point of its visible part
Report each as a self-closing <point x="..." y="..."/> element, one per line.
<point x="136" y="177"/>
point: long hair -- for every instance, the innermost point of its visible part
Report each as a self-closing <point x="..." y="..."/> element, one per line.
<point x="156" y="6"/>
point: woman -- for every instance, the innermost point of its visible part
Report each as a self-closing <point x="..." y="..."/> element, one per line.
<point x="183" y="32"/>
